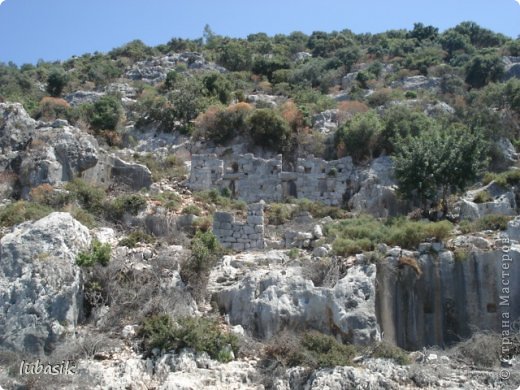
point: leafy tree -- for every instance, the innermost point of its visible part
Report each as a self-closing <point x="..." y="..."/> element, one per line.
<point x="349" y="56"/>
<point x="235" y="56"/>
<point x="56" y="81"/>
<point x="106" y="113"/>
<point x="422" y="32"/>
<point x="483" y="69"/>
<point x="360" y="136"/>
<point x="453" y="41"/>
<point x="187" y="101"/>
<point x="217" y="85"/>
<point x="478" y="36"/>
<point x="402" y="122"/>
<point x="268" y="128"/>
<point x="438" y="162"/>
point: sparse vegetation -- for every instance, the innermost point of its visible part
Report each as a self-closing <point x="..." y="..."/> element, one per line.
<point x="136" y="237"/>
<point x="18" y="212"/>
<point x="201" y="334"/>
<point x="97" y="254"/>
<point x="363" y="233"/>
<point x="311" y="349"/>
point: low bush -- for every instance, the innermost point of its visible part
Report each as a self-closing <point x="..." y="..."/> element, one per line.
<point x="483" y="197"/>
<point x="130" y="204"/>
<point x="170" y="167"/>
<point x="363" y="233"/>
<point x="311" y="349"/>
<point x="97" y="254"/>
<point x="386" y="350"/>
<point x="205" y="250"/>
<point x="136" y="237"/>
<point x="507" y="178"/>
<point x="18" y="212"/>
<point x="213" y="197"/>
<point x="318" y="209"/>
<point x="200" y="334"/>
<point x="46" y="195"/>
<point x="169" y="200"/>
<point x="191" y="209"/>
<point x="278" y="213"/>
<point x="487" y="222"/>
<point x="90" y="197"/>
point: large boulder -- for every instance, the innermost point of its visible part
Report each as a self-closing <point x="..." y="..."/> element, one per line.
<point x="40" y="283"/>
<point x="266" y="302"/>
<point x="112" y="169"/>
<point x="414" y="83"/>
<point x="378" y="190"/>
<point x="38" y="152"/>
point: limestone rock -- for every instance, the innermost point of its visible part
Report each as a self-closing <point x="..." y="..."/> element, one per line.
<point x="40" y="283"/>
<point x="266" y="302"/>
<point x="113" y="169"/>
<point x="414" y="83"/>
<point x="83" y="97"/>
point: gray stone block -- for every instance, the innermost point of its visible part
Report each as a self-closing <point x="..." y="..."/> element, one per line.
<point x="255" y="220"/>
<point x="223" y="217"/>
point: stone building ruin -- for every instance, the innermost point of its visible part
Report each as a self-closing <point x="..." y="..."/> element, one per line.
<point x="368" y="189"/>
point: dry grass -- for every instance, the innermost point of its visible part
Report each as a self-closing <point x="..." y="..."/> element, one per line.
<point x="412" y="263"/>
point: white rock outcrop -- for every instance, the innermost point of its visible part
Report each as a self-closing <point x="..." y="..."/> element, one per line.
<point x="40" y="283"/>
<point x="266" y="302"/>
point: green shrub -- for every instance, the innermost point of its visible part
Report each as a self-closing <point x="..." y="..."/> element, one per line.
<point x="493" y="222"/>
<point x="213" y="197"/>
<point x="361" y="136"/>
<point x="170" y="167"/>
<point x="386" y="350"/>
<point x="318" y="209"/>
<point x="130" y="204"/>
<point x="105" y="113"/>
<point x="90" y="197"/>
<point x="168" y="200"/>
<point x="483" y="197"/>
<point x="201" y="334"/>
<point x="56" y="81"/>
<point x="487" y="222"/>
<point x="363" y="233"/>
<point x="136" y="237"/>
<point x="98" y="254"/>
<point x="18" y="212"/>
<point x="461" y="254"/>
<point x="278" y="213"/>
<point x="312" y="349"/>
<point x="510" y="177"/>
<point x="191" y="209"/>
<point x="268" y="128"/>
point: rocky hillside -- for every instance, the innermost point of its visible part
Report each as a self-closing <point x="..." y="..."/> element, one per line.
<point x="332" y="211"/>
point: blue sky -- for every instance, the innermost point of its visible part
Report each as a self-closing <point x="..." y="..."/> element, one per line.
<point x="57" y="29"/>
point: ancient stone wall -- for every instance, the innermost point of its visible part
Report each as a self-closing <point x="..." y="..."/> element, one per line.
<point x="253" y="179"/>
<point x="241" y="235"/>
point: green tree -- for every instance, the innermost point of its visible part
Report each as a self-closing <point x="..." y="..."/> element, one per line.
<point x="56" y="81"/>
<point x="218" y="86"/>
<point x="268" y="128"/>
<point x="436" y="163"/>
<point x="483" y="69"/>
<point x="361" y="136"/>
<point x="235" y="56"/>
<point x="106" y="113"/>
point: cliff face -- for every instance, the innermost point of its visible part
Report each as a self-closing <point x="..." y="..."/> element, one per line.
<point x="450" y="299"/>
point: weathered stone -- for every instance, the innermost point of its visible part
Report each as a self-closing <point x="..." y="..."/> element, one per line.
<point x="40" y="283"/>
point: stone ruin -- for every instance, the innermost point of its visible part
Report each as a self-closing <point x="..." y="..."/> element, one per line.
<point x="241" y="235"/>
<point x="253" y="179"/>
<point x="369" y="189"/>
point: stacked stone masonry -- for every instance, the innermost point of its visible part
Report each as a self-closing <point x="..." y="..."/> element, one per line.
<point x="238" y="235"/>
<point x="253" y="179"/>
